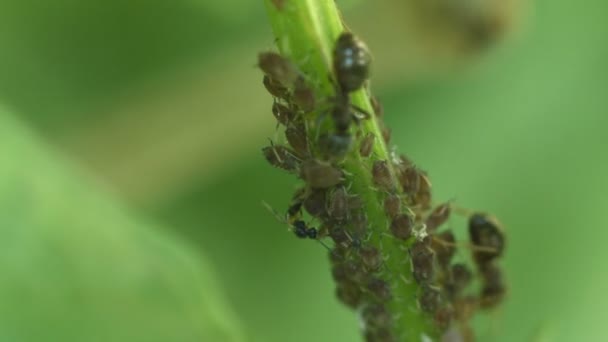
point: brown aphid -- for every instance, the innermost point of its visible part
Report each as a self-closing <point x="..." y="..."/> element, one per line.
<point x="294" y="211"/>
<point x="438" y="216"/>
<point x="444" y="246"/>
<point x="459" y="278"/>
<point x="409" y="177"/>
<point x="382" y="176"/>
<point x="297" y="138"/>
<point x="349" y="294"/>
<point x="320" y="175"/>
<point x="282" y="157"/>
<point x="376" y="316"/>
<point x="278" y="68"/>
<point x="380" y="289"/>
<point x="275" y="88"/>
<point x="338" y="205"/>
<point x="386" y="134"/>
<point x="377" y="106"/>
<point x="359" y="224"/>
<point x="315" y="203"/>
<point x="371" y="258"/>
<point x="367" y="145"/>
<point x="379" y="335"/>
<point x="334" y="146"/>
<point x="429" y="299"/>
<point x="465" y="307"/>
<point x="402" y="226"/>
<point x="283" y="114"/>
<point x="493" y="289"/>
<point x="443" y="317"/>
<point x="422" y="261"/>
<point x="485" y="232"/>
<point x="392" y="205"/>
<point x="422" y="197"/>
<point x="303" y="95"/>
<point x="279" y="4"/>
<point x="351" y="60"/>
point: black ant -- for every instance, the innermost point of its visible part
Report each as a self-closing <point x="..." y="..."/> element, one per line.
<point x="298" y="226"/>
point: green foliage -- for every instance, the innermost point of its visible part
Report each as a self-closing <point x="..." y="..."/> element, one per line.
<point x="77" y="267"/>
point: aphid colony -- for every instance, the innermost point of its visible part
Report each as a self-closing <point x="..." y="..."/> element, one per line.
<point x="406" y="194"/>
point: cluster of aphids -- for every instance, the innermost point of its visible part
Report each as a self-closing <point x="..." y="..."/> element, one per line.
<point x="357" y="265"/>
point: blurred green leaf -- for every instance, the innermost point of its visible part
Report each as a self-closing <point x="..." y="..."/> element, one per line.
<point x="77" y="267"/>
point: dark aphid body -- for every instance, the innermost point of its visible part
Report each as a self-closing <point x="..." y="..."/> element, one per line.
<point x="485" y="233"/>
<point x="382" y="176"/>
<point x="459" y="277"/>
<point x="493" y="288"/>
<point x="386" y="134"/>
<point x="437" y="217"/>
<point x="351" y="62"/>
<point x="367" y="145"/>
<point x="297" y="138"/>
<point x="279" y="69"/>
<point x="444" y="246"/>
<point x="402" y="226"/>
<point x="315" y="203"/>
<point x="376" y="316"/>
<point x="443" y="317"/>
<point x="378" y="110"/>
<point x="303" y="95"/>
<point x="320" y="175"/>
<point x="282" y="157"/>
<point x="302" y="231"/>
<point x="334" y="146"/>
<point x="275" y="88"/>
<point x="422" y="258"/>
<point x="338" y="205"/>
<point x="429" y="299"/>
<point x="379" y="289"/>
<point x="349" y="294"/>
<point x="283" y="114"/>
<point x="392" y="205"/>
<point x="371" y="258"/>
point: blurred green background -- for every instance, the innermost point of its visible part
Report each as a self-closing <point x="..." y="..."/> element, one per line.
<point x="132" y="178"/>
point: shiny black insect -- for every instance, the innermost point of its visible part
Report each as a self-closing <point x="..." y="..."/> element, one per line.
<point x="487" y="236"/>
<point x="302" y="231"/>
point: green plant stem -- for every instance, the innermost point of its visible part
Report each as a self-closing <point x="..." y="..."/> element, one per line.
<point x="305" y="32"/>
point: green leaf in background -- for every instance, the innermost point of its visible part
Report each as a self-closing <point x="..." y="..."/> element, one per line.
<point x="74" y="266"/>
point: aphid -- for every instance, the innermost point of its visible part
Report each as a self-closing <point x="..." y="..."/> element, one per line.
<point x="297" y="138"/>
<point x="386" y="134"/>
<point x="338" y="205"/>
<point x="376" y="315"/>
<point x="315" y="203"/>
<point x="294" y="212"/>
<point x="358" y="222"/>
<point x="485" y="232"/>
<point x="378" y="110"/>
<point x="443" y="317"/>
<point x="367" y="145"/>
<point x="429" y="299"/>
<point x="351" y="60"/>
<point x="278" y="68"/>
<point x="275" y="88"/>
<point x="279" y="4"/>
<point x="349" y="294"/>
<point x="444" y="246"/>
<point x="380" y="289"/>
<point x="422" y="197"/>
<point x="460" y="276"/>
<point x="282" y="113"/>
<point x="371" y="258"/>
<point x="493" y="289"/>
<point x="282" y="157"/>
<point x="422" y="261"/>
<point x="409" y="177"/>
<point x="381" y="175"/>
<point x="379" y="335"/>
<point x="438" y="216"/>
<point x="401" y="226"/>
<point x="334" y="146"/>
<point x="392" y="205"/>
<point x="320" y="175"/>
<point x="303" y="95"/>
